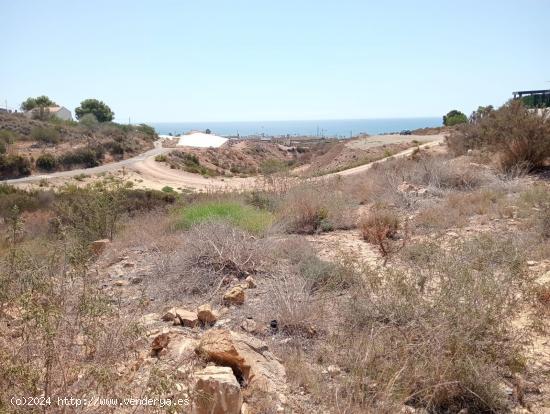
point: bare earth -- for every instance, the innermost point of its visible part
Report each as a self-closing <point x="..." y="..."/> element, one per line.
<point x="145" y="172"/>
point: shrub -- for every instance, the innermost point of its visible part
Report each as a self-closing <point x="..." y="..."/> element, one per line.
<point x="88" y="157"/>
<point x="160" y="158"/>
<point x="379" y="227"/>
<point x="310" y="208"/>
<point x="147" y="130"/>
<point x="240" y="215"/>
<point x="273" y="166"/>
<point x="167" y="189"/>
<point x="439" y="338"/>
<point x="3" y="147"/>
<point x="46" y="162"/>
<point x="46" y="135"/>
<point x="454" y="117"/>
<point x="13" y="166"/>
<point x="518" y="136"/>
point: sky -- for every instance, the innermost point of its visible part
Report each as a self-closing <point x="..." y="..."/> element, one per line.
<point x="221" y="60"/>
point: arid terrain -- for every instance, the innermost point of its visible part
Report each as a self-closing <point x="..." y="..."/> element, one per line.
<point x="417" y="281"/>
<point x="42" y="146"/>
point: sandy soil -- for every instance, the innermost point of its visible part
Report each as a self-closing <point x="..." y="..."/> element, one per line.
<point x="145" y="172"/>
<point x="379" y="140"/>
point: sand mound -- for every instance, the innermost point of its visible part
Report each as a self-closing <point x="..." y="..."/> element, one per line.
<point x="201" y="140"/>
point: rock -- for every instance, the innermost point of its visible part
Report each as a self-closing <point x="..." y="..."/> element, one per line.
<point x="249" y="358"/>
<point x="217" y="392"/>
<point x="250" y="282"/>
<point x="97" y="247"/>
<point x="129" y="264"/>
<point x="333" y="370"/>
<point x="245" y="409"/>
<point x="531" y="263"/>
<point x="185" y="318"/>
<point x="121" y="283"/>
<point x="136" y="280"/>
<point x="407" y="409"/>
<point x="170" y="315"/>
<point x="249" y="325"/>
<point x="160" y="342"/>
<point x="206" y="315"/>
<point x="234" y="296"/>
<point x="405" y="187"/>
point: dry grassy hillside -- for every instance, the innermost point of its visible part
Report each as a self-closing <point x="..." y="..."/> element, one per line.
<point x="419" y="286"/>
<point x="28" y="145"/>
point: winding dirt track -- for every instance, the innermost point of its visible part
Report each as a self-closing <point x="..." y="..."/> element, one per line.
<point x="151" y="174"/>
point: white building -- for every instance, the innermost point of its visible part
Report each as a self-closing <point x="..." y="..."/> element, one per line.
<point x="58" y="111"/>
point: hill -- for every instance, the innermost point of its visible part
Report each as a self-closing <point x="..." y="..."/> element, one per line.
<point x="28" y="145"/>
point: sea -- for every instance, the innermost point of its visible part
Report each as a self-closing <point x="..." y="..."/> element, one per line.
<point x="337" y="128"/>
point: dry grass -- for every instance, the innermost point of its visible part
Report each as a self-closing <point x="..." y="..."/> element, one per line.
<point x="380" y="227"/>
<point x="436" y="336"/>
<point x="315" y="207"/>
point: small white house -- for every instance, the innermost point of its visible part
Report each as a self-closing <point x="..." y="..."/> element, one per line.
<point x="58" y="111"/>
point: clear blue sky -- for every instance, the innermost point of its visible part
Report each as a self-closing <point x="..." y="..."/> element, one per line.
<point x="222" y="60"/>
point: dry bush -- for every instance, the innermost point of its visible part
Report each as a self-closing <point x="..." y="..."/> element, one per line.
<point x="291" y="302"/>
<point x="314" y="207"/>
<point x="438" y="174"/>
<point x="456" y="208"/>
<point x="210" y="254"/>
<point x="436" y="335"/>
<point x="380" y="227"/>
<point x="439" y="338"/>
<point x="518" y="136"/>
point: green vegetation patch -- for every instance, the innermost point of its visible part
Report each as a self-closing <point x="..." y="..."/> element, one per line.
<point x="245" y="217"/>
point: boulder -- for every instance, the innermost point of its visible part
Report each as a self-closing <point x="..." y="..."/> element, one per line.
<point x="249" y="358"/>
<point x="97" y="247"/>
<point x="234" y="296"/>
<point x="185" y="318"/>
<point x="160" y="342"/>
<point x="206" y="315"/>
<point x="217" y="391"/>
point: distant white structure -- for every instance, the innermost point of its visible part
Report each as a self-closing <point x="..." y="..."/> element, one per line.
<point x="201" y="140"/>
<point x="58" y="111"/>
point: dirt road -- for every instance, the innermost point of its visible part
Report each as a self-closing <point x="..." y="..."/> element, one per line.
<point x="147" y="173"/>
<point x="152" y="153"/>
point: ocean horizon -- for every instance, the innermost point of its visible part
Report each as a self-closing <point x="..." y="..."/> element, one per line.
<point x="338" y="128"/>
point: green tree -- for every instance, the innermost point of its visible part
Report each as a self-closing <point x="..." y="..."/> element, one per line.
<point x="99" y="109"/>
<point x="454" y="117"/>
<point x="39" y="102"/>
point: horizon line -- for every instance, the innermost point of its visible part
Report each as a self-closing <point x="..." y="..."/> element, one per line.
<point x="294" y="120"/>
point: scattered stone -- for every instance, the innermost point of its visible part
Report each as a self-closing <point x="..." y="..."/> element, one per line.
<point x="185" y="318"/>
<point x="234" y="296"/>
<point x="136" y="280"/>
<point x="217" y="392"/>
<point x="99" y="246"/>
<point x="333" y="370"/>
<point x="250" y="282"/>
<point x="206" y="315"/>
<point x="249" y="325"/>
<point x="170" y="315"/>
<point x="159" y="343"/>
